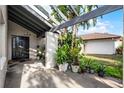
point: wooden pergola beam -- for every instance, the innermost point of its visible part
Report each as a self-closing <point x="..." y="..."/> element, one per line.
<point x="72" y="7"/>
<point x="60" y="13"/>
<point x="93" y="14"/>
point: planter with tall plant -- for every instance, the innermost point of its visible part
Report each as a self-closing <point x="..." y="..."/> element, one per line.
<point x="61" y="57"/>
<point x="101" y="70"/>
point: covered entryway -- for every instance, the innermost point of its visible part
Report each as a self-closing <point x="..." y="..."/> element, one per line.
<point x="26" y="31"/>
<point x="34" y="74"/>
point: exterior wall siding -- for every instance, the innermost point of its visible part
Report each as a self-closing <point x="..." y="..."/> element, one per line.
<point x="100" y="47"/>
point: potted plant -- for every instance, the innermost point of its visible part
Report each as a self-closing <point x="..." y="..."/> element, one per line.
<point x="101" y="70"/>
<point x="82" y="67"/>
<point x="75" y="68"/>
<point x="61" y="58"/>
<point x="87" y="65"/>
<point x="75" y="63"/>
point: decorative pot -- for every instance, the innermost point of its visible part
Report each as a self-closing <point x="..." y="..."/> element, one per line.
<point x="63" y="67"/>
<point x="101" y="73"/>
<point x="75" y="68"/>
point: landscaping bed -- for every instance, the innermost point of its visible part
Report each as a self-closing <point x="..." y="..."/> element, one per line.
<point x="68" y="57"/>
<point x="113" y="64"/>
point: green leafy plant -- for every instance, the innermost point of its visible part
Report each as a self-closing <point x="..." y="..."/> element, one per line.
<point x="114" y="72"/>
<point x="87" y="64"/>
<point x="71" y="38"/>
<point x="101" y="70"/>
<point x="62" y="54"/>
<point x="101" y="67"/>
<point x="40" y="52"/>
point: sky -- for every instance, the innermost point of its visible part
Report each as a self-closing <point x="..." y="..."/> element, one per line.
<point x="109" y="23"/>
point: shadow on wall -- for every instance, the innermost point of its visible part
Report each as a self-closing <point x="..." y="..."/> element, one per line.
<point x="32" y="53"/>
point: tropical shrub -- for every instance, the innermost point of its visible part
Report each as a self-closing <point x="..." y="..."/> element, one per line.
<point x="40" y="52"/>
<point x="74" y="55"/>
<point x="62" y="54"/>
<point x="101" y="67"/>
<point x="87" y="64"/>
<point x="71" y="53"/>
<point x="114" y="72"/>
<point x="101" y="70"/>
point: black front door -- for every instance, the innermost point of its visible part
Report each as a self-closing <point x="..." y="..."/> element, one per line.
<point x="20" y="47"/>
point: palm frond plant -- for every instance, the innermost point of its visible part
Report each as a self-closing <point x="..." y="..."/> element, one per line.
<point x="101" y="70"/>
<point x="70" y="14"/>
<point x="87" y="65"/>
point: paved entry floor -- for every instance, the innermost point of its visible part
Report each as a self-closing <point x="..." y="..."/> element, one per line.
<point x="36" y="76"/>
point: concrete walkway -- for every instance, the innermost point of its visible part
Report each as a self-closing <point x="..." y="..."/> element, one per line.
<point x="36" y="76"/>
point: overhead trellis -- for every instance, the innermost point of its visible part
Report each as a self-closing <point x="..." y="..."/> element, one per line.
<point x="93" y="14"/>
<point x="54" y="24"/>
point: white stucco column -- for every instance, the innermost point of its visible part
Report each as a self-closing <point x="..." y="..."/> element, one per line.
<point x="3" y="44"/>
<point x="51" y="46"/>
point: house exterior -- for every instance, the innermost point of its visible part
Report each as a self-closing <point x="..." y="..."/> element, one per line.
<point x="22" y="30"/>
<point x="99" y="43"/>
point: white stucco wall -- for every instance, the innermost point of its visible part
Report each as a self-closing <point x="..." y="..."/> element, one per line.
<point x="51" y="46"/>
<point x="3" y="46"/>
<point x="118" y="43"/>
<point x="100" y="47"/>
<point x="15" y="29"/>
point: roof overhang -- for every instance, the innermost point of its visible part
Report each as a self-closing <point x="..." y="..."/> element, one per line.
<point x="28" y="18"/>
<point x="109" y="38"/>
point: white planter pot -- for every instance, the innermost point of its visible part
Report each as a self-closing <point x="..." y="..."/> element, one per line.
<point x="63" y="67"/>
<point x="75" y="68"/>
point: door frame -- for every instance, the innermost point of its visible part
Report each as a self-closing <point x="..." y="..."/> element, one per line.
<point x="12" y="46"/>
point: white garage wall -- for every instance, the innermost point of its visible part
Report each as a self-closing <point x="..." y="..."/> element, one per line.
<point x="118" y="43"/>
<point x="15" y="29"/>
<point x="100" y="47"/>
